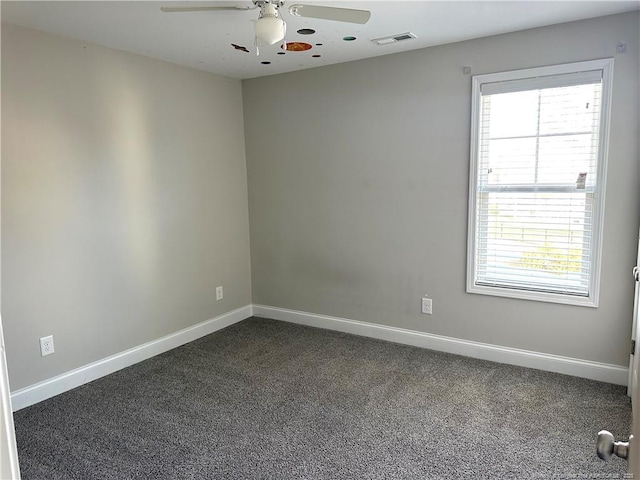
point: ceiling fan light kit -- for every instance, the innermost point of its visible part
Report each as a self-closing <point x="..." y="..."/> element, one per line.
<point x="269" y="28"/>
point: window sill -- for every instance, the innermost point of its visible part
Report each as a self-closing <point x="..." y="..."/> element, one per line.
<point x="547" y="297"/>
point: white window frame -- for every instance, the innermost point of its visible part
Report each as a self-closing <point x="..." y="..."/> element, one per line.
<point x="591" y="300"/>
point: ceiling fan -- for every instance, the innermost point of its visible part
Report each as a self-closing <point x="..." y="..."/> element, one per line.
<point x="270" y="28"/>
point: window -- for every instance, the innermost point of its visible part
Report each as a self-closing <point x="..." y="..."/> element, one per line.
<point x="538" y="164"/>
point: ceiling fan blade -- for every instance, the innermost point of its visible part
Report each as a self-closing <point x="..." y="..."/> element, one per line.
<point x="331" y="13"/>
<point x="203" y="9"/>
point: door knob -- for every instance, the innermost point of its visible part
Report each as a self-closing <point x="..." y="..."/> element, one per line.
<point x="606" y="446"/>
<point x="636" y="273"/>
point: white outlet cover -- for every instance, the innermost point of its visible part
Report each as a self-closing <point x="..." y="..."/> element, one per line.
<point x="219" y="293"/>
<point x="426" y="305"/>
<point x="46" y="346"/>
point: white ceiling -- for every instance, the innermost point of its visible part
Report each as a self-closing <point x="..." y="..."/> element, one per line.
<point x="203" y="40"/>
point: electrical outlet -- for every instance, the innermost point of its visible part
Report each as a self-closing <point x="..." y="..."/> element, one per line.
<point x="219" y="293"/>
<point x="426" y="305"/>
<point x="46" y="346"/>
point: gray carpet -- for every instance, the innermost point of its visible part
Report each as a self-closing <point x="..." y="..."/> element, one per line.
<point x="264" y="399"/>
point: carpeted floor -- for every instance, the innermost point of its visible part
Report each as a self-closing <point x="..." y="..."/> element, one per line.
<point x="264" y="399"/>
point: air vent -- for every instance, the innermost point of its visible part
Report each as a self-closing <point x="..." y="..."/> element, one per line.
<point x="393" y="38"/>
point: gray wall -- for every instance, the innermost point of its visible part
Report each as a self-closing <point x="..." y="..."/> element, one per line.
<point x="124" y="200"/>
<point x="124" y="196"/>
<point x="358" y="191"/>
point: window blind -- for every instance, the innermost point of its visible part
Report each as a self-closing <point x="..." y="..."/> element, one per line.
<point x="537" y="178"/>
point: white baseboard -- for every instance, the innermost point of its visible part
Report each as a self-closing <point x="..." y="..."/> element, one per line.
<point x="542" y="361"/>
<point x="54" y="386"/>
<point x="553" y="363"/>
